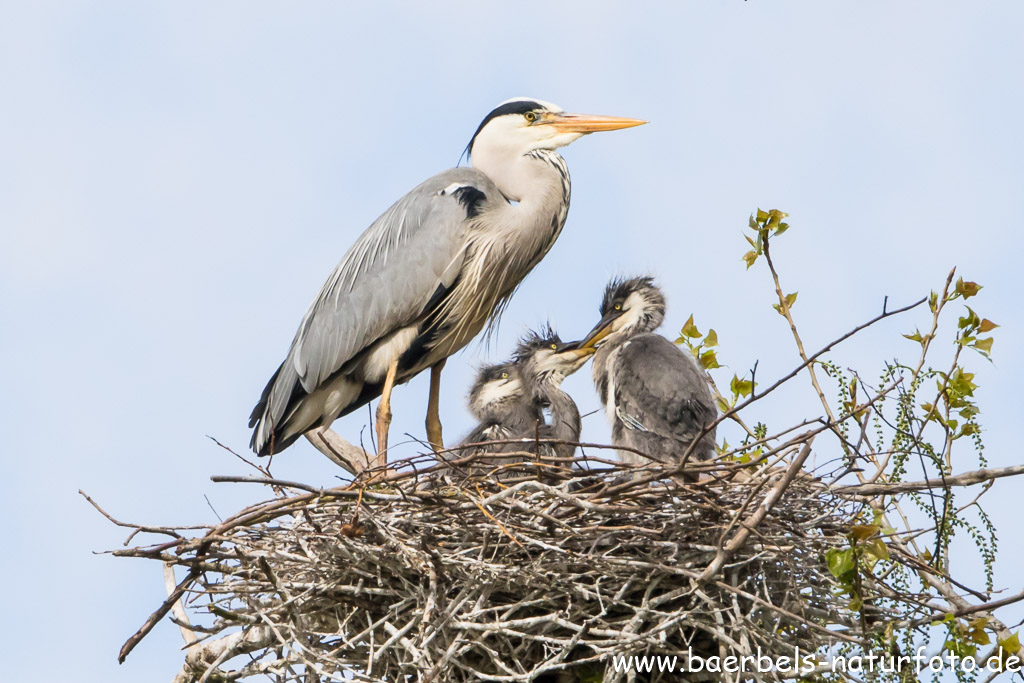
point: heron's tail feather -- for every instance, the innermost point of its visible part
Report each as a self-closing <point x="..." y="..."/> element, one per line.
<point x="268" y="434"/>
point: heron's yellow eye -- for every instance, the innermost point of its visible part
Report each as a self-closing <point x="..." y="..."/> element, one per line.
<point x="504" y="375"/>
<point x="530" y="116"/>
<point x="554" y="347"/>
<point x="618" y="307"/>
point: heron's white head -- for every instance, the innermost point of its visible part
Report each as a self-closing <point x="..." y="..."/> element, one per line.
<point x="522" y="125"/>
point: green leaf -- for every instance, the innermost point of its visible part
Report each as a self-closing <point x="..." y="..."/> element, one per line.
<point x="878" y="549"/>
<point x="960" y="648"/>
<point x="762" y="216"/>
<point x="969" y="411"/>
<point x="976" y="631"/>
<point x="966" y="289"/>
<point x="775" y="219"/>
<point x="753" y="226"/>
<point x="960" y="384"/>
<point x="749" y="258"/>
<point x="741" y="387"/>
<point x="689" y="329"/>
<point x="711" y="339"/>
<point x="983" y="345"/>
<point x="723" y="405"/>
<point x="970" y="428"/>
<point x="863" y="532"/>
<point x="969" y="321"/>
<point x="840" y="562"/>
<point x="1011" y="643"/>
<point x="915" y="337"/>
<point x="987" y="326"/>
<point x="789" y="299"/>
<point x="783" y="227"/>
<point x="708" y="361"/>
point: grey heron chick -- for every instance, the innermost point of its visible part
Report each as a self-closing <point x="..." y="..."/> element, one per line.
<point x="498" y="402"/>
<point x="544" y="362"/>
<point x="426" y="276"/>
<point x="510" y="400"/>
<point x="656" y="398"/>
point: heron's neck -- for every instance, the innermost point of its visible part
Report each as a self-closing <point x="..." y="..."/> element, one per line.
<point x="515" y="237"/>
<point x="531" y="179"/>
<point x="565" y="416"/>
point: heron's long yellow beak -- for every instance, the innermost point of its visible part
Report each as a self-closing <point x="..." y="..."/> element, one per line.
<point x="589" y="123"/>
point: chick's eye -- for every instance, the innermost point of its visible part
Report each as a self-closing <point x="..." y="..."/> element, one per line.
<point x="530" y="116"/>
<point x="504" y="375"/>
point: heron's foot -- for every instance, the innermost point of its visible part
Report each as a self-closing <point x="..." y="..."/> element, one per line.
<point x="434" y="433"/>
<point x="383" y="424"/>
<point x="433" y="408"/>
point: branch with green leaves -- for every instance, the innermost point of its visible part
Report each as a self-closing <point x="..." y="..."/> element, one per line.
<point x="881" y="438"/>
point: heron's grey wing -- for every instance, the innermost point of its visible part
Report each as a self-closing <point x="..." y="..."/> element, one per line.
<point x="660" y="389"/>
<point x="384" y="281"/>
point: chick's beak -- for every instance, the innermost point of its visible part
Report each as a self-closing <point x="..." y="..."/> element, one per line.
<point x="601" y="330"/>
<point x="574" y="350"/>
<point x="588" y="123"/>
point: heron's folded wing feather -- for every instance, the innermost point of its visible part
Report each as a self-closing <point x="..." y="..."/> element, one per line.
<point x="383" y="282"/>
<point x="660" y="387"/>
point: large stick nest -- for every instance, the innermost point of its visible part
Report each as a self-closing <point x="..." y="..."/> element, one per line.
<point x="517" y="581"/>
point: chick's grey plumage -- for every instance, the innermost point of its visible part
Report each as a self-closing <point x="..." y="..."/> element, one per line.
<point x="510" y="400"/>
<point x="498" y="402"/>
<point x="427" y="275"/>
<point x="656" y="398"/>
<point x="544" y="365"/>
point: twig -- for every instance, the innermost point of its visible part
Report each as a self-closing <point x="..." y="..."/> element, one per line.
<point x="966" y="479"/>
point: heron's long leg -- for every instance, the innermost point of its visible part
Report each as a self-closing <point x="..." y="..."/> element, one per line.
<point x="384" y="414"/>
<point x="433" y="412"/>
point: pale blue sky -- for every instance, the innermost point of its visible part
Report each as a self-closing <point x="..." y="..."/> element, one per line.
<point x="177" y="180"/>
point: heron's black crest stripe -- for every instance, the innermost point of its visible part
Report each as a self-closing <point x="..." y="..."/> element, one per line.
<point x="470" y="198"/>
<point x="516" y="107"/>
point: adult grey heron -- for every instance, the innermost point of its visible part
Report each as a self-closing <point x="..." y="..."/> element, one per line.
<point x="510" y="400"/>
<point x="655" y="396"/>
<point x="426" y="276"/>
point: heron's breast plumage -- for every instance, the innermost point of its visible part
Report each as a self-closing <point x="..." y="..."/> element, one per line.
<point x="504" y="242"/>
